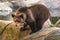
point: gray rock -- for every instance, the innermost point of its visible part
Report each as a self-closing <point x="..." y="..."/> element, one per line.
<point x="55" y="35"/>
<point x="46" y="34"/>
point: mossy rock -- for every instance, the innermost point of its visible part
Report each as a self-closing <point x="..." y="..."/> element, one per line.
<point x="12" y="32"/>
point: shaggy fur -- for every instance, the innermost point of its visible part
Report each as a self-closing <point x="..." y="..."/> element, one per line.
<point x="35" y="16"/>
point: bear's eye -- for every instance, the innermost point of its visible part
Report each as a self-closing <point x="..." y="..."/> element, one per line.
<point x="21" y="16"/>
<point x="13" y="15"/>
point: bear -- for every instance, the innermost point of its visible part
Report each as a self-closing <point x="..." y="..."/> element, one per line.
<point x="34" y="16"/>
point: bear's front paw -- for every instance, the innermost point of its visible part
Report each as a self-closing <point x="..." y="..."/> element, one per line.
<point x="23" y="29"/>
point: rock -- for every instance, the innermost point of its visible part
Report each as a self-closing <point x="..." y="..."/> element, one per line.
<point x="11" y="32"/>
<point x="4" y="9"/>
<point x="44" y="35"/>
<point x="46" y="24"/>
<point x="55" y="35"/>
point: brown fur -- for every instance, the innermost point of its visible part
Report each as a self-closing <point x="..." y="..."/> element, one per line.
<point x="35" y="15"/>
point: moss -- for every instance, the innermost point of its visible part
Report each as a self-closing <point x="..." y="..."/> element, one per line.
<point x="54" y="19"/>
<point x="52" y="25"/>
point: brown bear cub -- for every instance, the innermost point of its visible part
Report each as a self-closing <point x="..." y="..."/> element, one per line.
<point x="34" y="16"/>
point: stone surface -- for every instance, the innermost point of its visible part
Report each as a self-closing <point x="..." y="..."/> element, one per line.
<point x="55" y="35"/>
<point x="13" y="33"/>
<point x="41" y="35"/>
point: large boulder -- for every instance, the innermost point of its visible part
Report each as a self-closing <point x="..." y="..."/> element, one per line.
<point x="46" y="34"/>
<point x="54" y="35"/>
<point x="12" y="32"/>
<point x="5" y="11"/>
<point x="9" y="31"/>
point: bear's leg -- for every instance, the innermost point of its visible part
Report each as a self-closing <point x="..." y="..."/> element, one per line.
<point x="24" y="28"/>
<point x="39" y="24"/>
<point x="33" y="27"/>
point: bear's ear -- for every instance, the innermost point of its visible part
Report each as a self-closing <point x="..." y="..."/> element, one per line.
<point x="23" y="9"/>
<point x="13" y="15"/>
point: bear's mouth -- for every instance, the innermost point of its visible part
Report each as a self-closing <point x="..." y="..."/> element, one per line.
<point x="19" y="25"/>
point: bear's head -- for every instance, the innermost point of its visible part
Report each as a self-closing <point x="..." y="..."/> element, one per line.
<point x="19" y="17"/>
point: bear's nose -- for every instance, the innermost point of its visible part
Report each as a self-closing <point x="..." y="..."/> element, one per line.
<point x="17" y="21"/>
